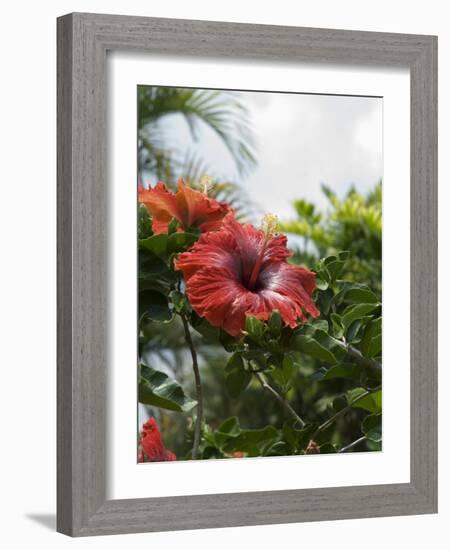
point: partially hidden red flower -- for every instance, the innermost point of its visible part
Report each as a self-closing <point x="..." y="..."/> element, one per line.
<point x="240" y="271"/>
<point x="238" y="454"/>
<point x="312" y="448"/>
<point x="193" y="209"/>
<point x="151" y="446"/>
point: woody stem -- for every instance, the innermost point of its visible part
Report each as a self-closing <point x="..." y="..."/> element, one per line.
<point x="352" y="445"/>
<point x="284" y="402"/>
<point x="199" y="389"/>
<point x="343" y="411"/>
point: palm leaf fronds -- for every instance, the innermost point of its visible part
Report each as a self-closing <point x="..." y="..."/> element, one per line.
<point x="221" y="111"/>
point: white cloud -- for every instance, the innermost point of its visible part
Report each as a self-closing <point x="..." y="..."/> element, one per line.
<point x="303" y="141"/>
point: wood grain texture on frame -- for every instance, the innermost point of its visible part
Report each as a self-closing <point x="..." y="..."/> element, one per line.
<point x="83" y="40"/>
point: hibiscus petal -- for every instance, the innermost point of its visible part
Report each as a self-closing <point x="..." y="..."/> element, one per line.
<point x="249" y="242"/>
<point x="219" y="298"/>
<point x="276" y="250"/>
<point x="169" y="456"/>
<point x="216" y="249"/>
<point x="161" y="204"/>
<point x="269" y="301"/>
<point x="293" y="282"/>
<point x="254" y="245"/>
<point x="198" y="209"/>
<point x="151" y="443"/>
<point x="214" y="221"/>
<point x="239" y="271"/>
<point x="160" y="226"/>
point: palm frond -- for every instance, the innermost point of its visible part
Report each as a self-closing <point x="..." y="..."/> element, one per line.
<point x="221" y="111"/>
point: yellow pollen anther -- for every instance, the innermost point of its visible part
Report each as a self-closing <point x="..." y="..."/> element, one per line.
<point x="207" y="183"/>
<point x="270" y="224"/>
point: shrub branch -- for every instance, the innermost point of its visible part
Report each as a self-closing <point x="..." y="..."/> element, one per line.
<point x="284" y="402"/>
<point x="199" y="389"/>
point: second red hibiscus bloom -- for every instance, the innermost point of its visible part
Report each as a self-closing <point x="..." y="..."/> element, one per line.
<point x="191" y="208"/>
<point x="151" y="446"/>
<point x="239" y="271"/>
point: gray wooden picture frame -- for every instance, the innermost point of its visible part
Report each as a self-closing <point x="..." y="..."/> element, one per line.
<point x="83" y="40"/>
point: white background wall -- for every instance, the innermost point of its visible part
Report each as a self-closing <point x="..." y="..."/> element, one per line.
<point x="27" y="291"/>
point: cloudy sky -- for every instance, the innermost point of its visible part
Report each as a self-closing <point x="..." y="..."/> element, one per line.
<point x="302" y="141"/>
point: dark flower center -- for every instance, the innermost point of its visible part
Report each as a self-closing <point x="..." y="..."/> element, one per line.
<point x="252" y="281"/>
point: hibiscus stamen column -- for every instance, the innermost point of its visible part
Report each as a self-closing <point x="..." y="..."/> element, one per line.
<point x="207" y="183"/>
<point x="199" y="389"/>
<point x="270" y="223"/>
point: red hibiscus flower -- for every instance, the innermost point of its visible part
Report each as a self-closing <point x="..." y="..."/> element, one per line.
<point x="192" y="209"/>
<point x="151" y="446"/>
<point x="240" y="271"/>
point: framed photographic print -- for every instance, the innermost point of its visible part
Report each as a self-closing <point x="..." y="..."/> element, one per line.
<point x="247" y="279"/>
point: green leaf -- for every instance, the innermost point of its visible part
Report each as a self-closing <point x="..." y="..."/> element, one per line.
<point x="318" y="324"/>
<point x="339" y="403"/>
<point x="229" y="429"/>
<point x="144" y="223"/>
<point x="318" y="343"/>
<point x="327" y="448"/>
<point x="321" y="284"/>
<point x="283" y="374"/>
<point x="280" y="448"/>
<point x="235" y="362"/>
<point x="324" y="301"/>
<point x="312" y="347"/>
<point x="154" y="273"/>
<point x="371" y="345"/>
<point x="360" y="295"/>
<point x="275" y="322"/>
<point x="354" y="329"/>
<point x="157" y="244"/>
<point x="237" y="378"/>
<point x="337" y="325"/>
<point x="154" y="305"/>
<point x="325" y="436"/>
<point x="333" y="345"/>
<point x="253" y="442"/>
<point x="211" y="452"/>
<point x="370" y="378"/>
<point x="343" y="370"/>
<point x="371" y="402"/>
<point x="304" y="209"/>
<point x="343" y="255"/>
<point x="356" y="311"/>
<point x="254" y="327"/>
<point x="372" y="446"/>
<point x="178" y="242"/>
<point x="203" y="327"/>
<point x="297" y="439"/>
<point x="237" y="381"/>
<point x="159" y="390"/>
<point x="334" y="268"/>
<point x="372" y="427"/>
<point x="179" y="301"/>
<point x="328" y="260"/>
<point x="172" y="226"/>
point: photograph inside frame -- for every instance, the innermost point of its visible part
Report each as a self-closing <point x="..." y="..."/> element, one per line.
<point x="260" y="274"/>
